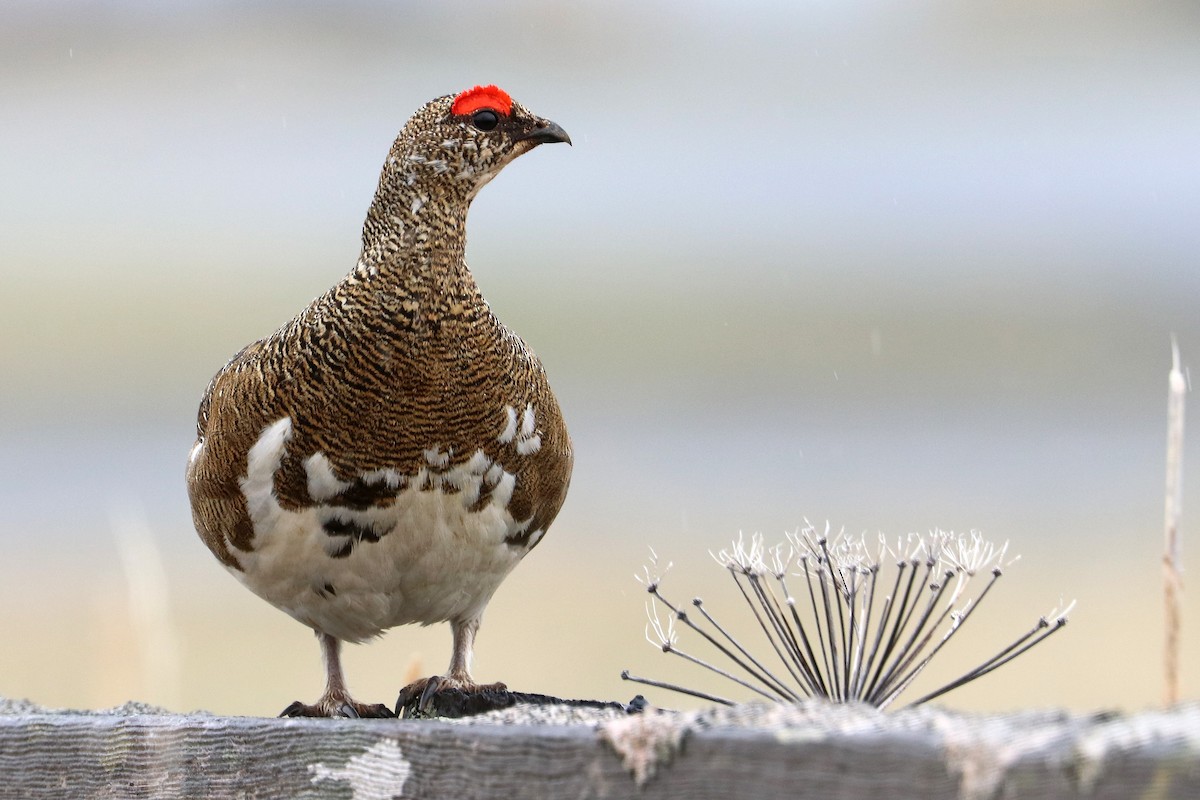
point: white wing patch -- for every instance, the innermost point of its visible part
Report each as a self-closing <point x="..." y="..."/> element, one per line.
<point x="322" y="483"/>
<point x="528" y="440"/>
<point x="261" y="465"/>
<point x="502" y="494"/>
<point x="510" y="426"/>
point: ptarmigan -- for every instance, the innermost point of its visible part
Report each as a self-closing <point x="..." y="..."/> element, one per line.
<point x="388" y="456"/>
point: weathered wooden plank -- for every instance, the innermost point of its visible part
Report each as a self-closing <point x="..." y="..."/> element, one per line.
<point x="810" y="751"/>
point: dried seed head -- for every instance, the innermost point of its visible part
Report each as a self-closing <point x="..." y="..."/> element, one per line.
<point x="849" y="634"/>
<point x="665" y="635"/>
<point x="747" y="559"/>
<point x="651" y="573"/>
<point x="971" y="553"/>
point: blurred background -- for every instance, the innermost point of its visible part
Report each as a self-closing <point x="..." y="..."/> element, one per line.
<point x="896" y="266"/>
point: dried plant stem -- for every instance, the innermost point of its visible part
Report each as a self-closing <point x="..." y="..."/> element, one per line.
<point x="667" y="648"/>
<point x="766" y="676"/>
<point x="912" y="648"/>
<point x="758" y="617"/>
<point x="861" y="629"/>
<point x="793" y="660"/>
<point x="902" y="612"/>
<point x="1041" y="631"/>
<point x="860" y="690"/>
<point x="772" y="684"/>
<point x="1172" y="556"/>
<point x="626" y="675"/>
<point x="820" y="628"/>
<point x="816" y="682"/>
<point x="960" y="619"/>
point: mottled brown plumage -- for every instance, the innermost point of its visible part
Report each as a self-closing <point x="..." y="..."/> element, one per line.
<point x="389" y="454"/>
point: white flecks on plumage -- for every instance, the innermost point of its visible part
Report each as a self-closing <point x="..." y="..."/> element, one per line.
<point x="388" y="477"/>
<point x="479" y="463"/>
<point x="528" y="447"/>
<point x="510" y="426"/>
<point x="502" y="493"/>
<point x="529" y="441"/>
<point x="436" y="458"/>
<point x="522" y="428"/>
<point x="322" y="483"/>
<point x="262" y="461"/>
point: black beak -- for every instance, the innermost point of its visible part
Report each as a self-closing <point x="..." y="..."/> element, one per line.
<point x="546" y="132"/>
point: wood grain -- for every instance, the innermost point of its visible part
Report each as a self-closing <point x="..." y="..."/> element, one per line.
<point x="810" y="751"/>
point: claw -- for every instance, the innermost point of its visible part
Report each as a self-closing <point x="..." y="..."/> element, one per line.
<point x="296" y="709"/>
<point x="431" y="689"/>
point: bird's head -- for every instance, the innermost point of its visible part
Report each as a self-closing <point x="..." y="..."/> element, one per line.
<point x="460" y="142"/>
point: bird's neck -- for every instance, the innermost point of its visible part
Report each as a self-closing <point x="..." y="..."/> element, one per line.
<point x="411" y="276"/>
<point x="416" y="210"/>
<point x="411" y="271"/>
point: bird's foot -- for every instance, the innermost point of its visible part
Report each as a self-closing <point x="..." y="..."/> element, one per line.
<point x="446" y="696"/>
<point x="338" y="706"/>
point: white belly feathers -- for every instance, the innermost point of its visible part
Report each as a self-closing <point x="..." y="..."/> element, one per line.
<point x="433" y="554"/>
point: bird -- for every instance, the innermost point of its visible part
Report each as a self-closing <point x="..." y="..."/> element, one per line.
<point x="389" y="455"/>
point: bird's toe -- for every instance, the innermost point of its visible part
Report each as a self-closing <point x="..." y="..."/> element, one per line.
<point x="338" y="708"/>
<point x="298" y="709"/>
<point x="446" y="696"/>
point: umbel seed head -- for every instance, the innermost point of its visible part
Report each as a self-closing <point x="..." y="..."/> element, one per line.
<point x="845" y="635"/>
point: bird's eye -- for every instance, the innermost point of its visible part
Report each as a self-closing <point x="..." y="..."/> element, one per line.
<point x="485" y="119"/>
